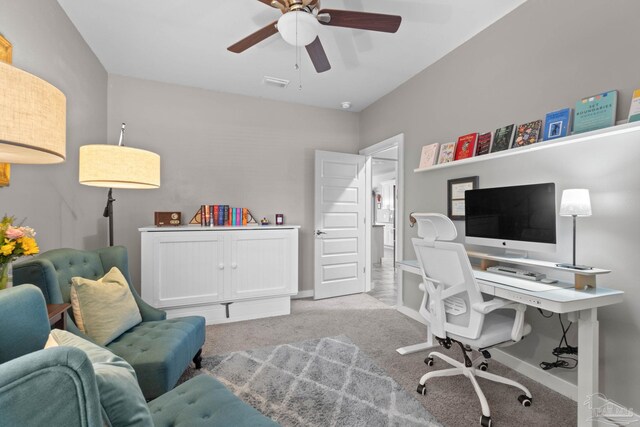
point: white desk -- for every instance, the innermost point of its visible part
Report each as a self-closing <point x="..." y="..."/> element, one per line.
<point x="581" y="304"/>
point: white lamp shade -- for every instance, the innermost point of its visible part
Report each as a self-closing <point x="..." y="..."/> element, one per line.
<point x="298" y="28"/>
<point x="118" y="167"/>
<point x="575" y="202"/>
<point x="33" y="118"/>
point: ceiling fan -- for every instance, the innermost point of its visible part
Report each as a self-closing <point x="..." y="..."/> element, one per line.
<point x="301" y="19"/>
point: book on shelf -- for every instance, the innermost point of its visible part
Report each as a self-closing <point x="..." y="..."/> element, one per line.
<point x="466" y="146"/>
<point x="225" y="215"/>
<point x="595" y="112"/>
<point x="502" y="139"/>
<point x="634" y="109"/>
<point x="428" y="155"/>
<point x="447" y="152"/>
<point x="557" y="124"/>
<point x="484" y="143"/>
<point x="216" y="214"/>
<point x="245" y="216"/>
<point x="527" y="134"/>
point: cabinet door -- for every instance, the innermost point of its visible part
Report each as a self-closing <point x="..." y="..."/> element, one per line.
<point x="188" y="268"/>
<point x="264" y="263"/>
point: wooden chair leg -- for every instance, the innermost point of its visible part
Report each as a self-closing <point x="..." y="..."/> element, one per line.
<point x="197" y="359"/>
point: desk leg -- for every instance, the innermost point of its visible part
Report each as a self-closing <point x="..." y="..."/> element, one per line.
<point x="588" y="358"/>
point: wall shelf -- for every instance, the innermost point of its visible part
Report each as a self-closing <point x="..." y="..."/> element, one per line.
<point x="543" y="145"/>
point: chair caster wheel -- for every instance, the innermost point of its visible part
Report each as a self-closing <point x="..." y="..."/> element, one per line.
<point x="485" y="421"/>
<point x="484" y="366"/>
<point x="422" y="389"/>
<point x="524" y="400"/>
<point x="429" y="361"/>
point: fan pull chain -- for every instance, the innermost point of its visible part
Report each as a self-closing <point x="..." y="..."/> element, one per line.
<point x="298" y="58"/>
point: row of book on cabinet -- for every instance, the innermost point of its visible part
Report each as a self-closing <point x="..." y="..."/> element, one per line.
<point x="590" y="113"/>
<point x="222" y="215"/>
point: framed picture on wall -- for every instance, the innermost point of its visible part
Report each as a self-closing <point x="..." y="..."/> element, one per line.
<point x="455" y="195"/>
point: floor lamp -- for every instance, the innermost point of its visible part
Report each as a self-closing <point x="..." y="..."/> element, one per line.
<point x="575" y="202"/>
<point x="117" y="166"/>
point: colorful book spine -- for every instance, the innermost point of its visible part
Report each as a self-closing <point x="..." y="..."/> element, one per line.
<point x="245" y="213"/>
<point x="238" y="216"/>
<point x="225" y="219"/>
<point x="203" y="218"/>
<point x="216" y="213"/>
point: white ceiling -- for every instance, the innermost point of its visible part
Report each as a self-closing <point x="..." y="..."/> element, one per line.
<point x="184" y="42"/>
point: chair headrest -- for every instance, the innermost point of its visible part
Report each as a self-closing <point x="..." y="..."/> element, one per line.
<point x="435" y="226"/>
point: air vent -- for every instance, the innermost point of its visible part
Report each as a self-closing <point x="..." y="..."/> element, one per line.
<point x="274" y="81"/>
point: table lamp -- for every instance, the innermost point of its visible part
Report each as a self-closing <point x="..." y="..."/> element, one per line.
<point x="117" y="166"/>
<point x="575" y="202"/>
<point x="33" y="119"/>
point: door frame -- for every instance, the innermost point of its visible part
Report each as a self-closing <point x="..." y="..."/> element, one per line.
<point x="369" y="152"/>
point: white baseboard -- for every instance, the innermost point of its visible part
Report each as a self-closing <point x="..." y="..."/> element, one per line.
<point x="545" y="378"/>
<point x="303" y="294"/>
<point x="531" y="371"/>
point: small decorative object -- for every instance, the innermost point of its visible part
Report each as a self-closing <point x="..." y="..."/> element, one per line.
<point x="428" y="155"/>
<point x="595" y="112"/>
<point x="557" y="124"/>
<point x="447" y="151"/>
<point x="264" y="221"/>
<point x="502" y="139"/>
<point x="163" y="219"/>
<point x="279" y="219"/>
<point x="574" y="203"/>
<point x="527" y="134"/>
<point x="14" y="243"/>
<point x="455" y="195"/>
<point x="466" y="146"/>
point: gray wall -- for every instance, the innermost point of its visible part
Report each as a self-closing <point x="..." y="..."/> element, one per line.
<point x="46" y="43"/>
<point x="543" y="56"/>
<point x="219" y="148"/>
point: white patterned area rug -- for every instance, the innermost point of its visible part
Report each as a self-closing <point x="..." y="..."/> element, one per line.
<point x="321" y="382"/>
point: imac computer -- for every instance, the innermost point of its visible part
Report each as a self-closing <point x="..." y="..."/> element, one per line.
<point x="520" y="218"/>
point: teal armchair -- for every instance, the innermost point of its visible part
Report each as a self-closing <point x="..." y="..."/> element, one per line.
<point x="158" y="349"/>
<point x="57" y="387"/>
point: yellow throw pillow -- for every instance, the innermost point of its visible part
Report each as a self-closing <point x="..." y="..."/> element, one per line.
<point x="104" y="308"/>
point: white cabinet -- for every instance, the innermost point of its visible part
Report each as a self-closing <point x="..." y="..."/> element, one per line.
<point x="224" y="274"/>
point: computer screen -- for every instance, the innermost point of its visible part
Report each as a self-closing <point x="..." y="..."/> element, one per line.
<point x="518" y="217"/>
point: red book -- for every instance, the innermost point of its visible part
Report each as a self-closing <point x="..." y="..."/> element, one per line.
<point x="466" y="146"/>
<point x="216" y="214"/>
<point x="484" y="143"/>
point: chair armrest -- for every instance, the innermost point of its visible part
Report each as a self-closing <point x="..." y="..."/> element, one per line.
<point x="54" y="387"/>
<point x="498" y="303"/>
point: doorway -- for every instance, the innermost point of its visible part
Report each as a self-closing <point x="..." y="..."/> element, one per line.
<point x="384" y="185"/>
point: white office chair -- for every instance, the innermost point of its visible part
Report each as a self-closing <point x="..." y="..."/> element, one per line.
<point x="456" y="311"/>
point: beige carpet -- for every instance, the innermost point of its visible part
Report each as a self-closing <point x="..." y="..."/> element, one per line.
<point x="378" y="330"/>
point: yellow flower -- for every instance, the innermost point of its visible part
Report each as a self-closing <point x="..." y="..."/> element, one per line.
<point x="8" y="247"/>
<point x="29" y="246"/>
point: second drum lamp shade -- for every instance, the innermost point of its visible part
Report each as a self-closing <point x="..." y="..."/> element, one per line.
<point x="117" y="166"/>
<point x="32" y="118"/>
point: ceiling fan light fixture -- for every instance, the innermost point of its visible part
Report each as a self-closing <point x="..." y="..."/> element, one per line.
<point x="306" y="31"/>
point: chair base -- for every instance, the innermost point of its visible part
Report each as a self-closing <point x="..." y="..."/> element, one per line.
<point x="478" y="369"/>
<point x="197" y="359"/>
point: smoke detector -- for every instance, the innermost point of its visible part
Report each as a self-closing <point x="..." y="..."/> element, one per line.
<point x="345" y="105"/>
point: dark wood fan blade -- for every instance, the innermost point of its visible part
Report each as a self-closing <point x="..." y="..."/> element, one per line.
<point x="362" y="20"/>
<point x="254" y="38"/>
<point x="317" y="55"/>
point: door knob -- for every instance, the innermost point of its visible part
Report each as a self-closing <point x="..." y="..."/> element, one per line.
<point x="318" y="232"/>
<point x="234" y="265"/>
<point x="221" y="266"/>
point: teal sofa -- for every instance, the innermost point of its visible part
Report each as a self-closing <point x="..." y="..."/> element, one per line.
<point x="59" y="387"/>
<point x="158" y="349"/>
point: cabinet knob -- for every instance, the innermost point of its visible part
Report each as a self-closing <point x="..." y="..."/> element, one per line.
<point x="221" y="266"/>
<point x="234" y="265"/>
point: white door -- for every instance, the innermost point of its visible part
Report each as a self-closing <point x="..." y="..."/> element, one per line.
<point x="340" y="203"/>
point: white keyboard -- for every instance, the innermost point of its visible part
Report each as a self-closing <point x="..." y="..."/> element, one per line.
<point x="516" y="272"/>
<point x="516" y="282"/>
